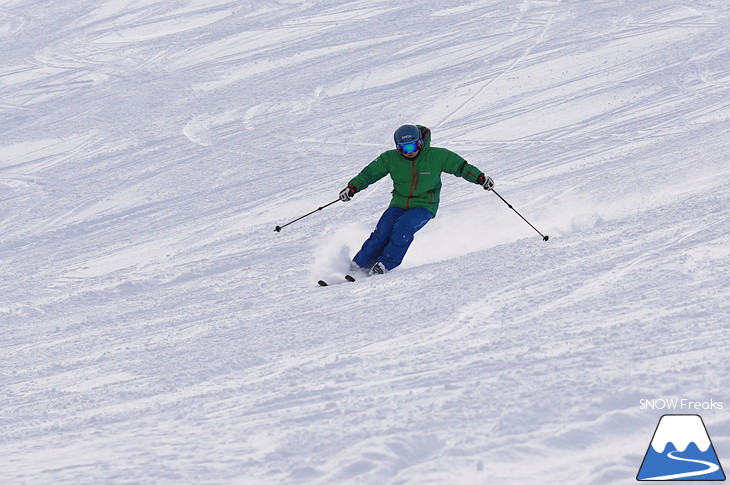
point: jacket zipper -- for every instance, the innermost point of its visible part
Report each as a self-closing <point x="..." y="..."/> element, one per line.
<point x="414" y="183"/>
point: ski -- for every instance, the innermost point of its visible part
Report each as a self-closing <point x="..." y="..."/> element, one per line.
<point x="349" y="278"/>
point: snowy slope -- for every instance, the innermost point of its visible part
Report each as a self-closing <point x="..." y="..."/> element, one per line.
<point x="155" y="329"/>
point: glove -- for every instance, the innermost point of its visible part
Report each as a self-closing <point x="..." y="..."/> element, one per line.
<point x="347" y="193"/>
<point x="485" y="182"/>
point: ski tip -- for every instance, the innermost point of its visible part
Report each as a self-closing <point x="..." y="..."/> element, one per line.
<point x="349" y="278"/>
<point x="322" y="283"/>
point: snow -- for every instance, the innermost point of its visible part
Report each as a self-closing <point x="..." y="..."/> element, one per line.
<point x="155" y="328"/>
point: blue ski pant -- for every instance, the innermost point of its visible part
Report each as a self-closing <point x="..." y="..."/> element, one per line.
<point x="392" y="236"/>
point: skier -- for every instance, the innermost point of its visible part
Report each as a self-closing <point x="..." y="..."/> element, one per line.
<point x="415" y="168"/>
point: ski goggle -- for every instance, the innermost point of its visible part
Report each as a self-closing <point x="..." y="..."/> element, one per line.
<point x="411" y="147"/>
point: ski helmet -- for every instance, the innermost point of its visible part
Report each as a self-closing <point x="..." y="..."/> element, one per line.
<point x="408" y="139"/>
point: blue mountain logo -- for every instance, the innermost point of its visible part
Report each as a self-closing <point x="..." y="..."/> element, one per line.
<point x="681" y="450"/>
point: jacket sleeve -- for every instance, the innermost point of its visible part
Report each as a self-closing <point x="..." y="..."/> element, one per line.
<point x="373" y="172"/>
<point x="456" y="165"/>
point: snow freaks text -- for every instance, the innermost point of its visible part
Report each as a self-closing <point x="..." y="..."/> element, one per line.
<point x="680" y="404"/>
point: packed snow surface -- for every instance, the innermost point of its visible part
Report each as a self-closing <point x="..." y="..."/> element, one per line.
<point x="156" y="329"/>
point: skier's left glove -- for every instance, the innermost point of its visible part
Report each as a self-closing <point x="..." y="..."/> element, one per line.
<point x="347" y="193"/>
<point x="485" y="182"/>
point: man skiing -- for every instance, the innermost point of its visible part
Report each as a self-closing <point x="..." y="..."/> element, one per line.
<point x="415" y="168"/>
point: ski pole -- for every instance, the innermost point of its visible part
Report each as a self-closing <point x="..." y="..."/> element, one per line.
<point x="544" y="237"/>
<point x="279" y="228"/>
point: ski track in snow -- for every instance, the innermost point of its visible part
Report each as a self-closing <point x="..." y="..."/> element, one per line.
<point x="155" y="329"/>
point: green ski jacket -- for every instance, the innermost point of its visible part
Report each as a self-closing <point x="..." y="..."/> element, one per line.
<point x="417" y="182"/>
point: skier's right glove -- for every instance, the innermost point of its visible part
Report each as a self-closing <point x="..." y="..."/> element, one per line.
<point x="485" y="182"/>
<point x="347" y="193"/>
